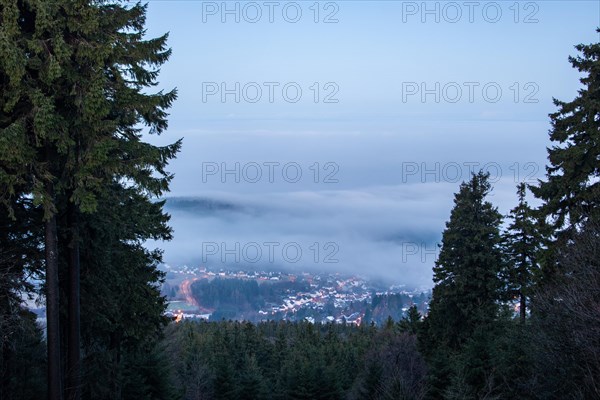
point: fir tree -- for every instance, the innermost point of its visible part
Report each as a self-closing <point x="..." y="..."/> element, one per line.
<point x="21" y="365"/>
<point x="523" y="241"/>
<point x="122" y="309"/>
<point x="571" y="191"/>
<point x="467" y="280"/>
<point x="466" y="273"/>
<point x="72" y="81"/>
<point x="411" y="322"/>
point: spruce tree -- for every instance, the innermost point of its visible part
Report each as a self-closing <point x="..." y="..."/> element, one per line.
<point x="411" y="322"/>
<point x="466" y="273"/>
<point x="73" y="80"/>
<point x="468" y="286"/>
<point x="22" y="359"/>
<point x="571" y="191"/>
<point x="122" y="309"/>
<point x="523" y="242"/>
<point x="566" y="322"/>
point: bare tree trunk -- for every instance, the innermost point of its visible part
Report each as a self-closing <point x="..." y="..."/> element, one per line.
<point x="74" y="341"/>
<point x="52" y="305"/>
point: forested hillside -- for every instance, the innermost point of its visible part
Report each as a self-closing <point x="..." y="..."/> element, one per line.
<point x="282" y="360"/>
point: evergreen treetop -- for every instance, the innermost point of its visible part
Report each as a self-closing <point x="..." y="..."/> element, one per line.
<point x="571" y="191"/>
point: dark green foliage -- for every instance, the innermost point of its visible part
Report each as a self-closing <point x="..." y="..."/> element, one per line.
<point x="241" y="298"/>
<point x="146" y="375"/>
<point x="388" y="305"/>
<point x="412" y="322"/>
<point x="20" y="256"/>
<point x="233" y="360"/>
<point x="523" y="242"/>
<point x="571" y="191"/>
<point x="227" y="293"/>
<point x="393" y="369"/>
<point x="74" y="80"/>
<point x="122" y="309"/>
<point x="22" y="352"/>
<point x="566" y="323"/>
<point x="512" y="355"/>
<point x="465" y="302"/>
<point x="466" y="273"/>
<point x="282" y="360"/>
<point x="23" y="357"/>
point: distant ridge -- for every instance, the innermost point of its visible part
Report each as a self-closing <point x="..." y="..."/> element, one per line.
<point x="201" y="205"/>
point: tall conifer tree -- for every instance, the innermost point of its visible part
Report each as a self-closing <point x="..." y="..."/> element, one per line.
<point x="468" y="287"/>
<point x="466" y="273"/>
<point x="571" y="191"/>
<point x="73" y="80"/>
<point x="523" y="245"/>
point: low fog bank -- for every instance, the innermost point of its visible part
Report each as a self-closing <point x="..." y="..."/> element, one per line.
<point x="388" y="232"/>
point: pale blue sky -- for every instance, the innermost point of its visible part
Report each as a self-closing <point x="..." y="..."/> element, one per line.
<point x="368" y="54"/>
<point x="376" y="50"/>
